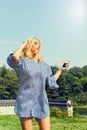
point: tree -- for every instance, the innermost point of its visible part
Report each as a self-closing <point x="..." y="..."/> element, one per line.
<point x="82" y="98"/>
<point x="69" y="85"/>
<point x="3" y="71"/>
<point x="84" y="83"/>
<point x="84" y="70"/>
<point x="76" y="71"/>
<point x="54" y="69"/>
<point x="9" y="84"/>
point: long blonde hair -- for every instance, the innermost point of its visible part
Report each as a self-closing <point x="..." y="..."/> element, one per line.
<point x="26" y="52"/>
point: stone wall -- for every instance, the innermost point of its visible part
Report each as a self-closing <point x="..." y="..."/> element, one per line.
<point x="6" y="110"/>
<point x="7" y="107"/>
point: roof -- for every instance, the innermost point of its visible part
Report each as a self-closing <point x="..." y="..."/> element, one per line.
<point x="7" y="102"/>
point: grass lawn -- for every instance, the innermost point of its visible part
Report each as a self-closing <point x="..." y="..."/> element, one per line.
<point x="11" y="122"/>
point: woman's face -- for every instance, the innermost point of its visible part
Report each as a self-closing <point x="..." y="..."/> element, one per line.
<point x="35" y="46"/>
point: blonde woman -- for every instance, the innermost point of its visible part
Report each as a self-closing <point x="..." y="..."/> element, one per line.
<point x="34" y="75"/>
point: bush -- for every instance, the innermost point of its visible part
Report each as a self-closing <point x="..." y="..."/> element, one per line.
<point x="75" y="109"/>
<point x="56" y="112"/>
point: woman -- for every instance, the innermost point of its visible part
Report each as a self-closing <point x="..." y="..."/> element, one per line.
<point x="34" y="75"/>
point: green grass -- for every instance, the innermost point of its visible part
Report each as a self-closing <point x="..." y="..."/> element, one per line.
<point x="11" y="122"/>
<point x="83" y="106"/>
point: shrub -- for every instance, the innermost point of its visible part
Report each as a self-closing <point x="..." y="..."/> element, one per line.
<point x="56" y="112"/>
<point x="75" y="109"/>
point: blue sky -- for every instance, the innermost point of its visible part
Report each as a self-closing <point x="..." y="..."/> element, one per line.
<point x="61" y="25"/>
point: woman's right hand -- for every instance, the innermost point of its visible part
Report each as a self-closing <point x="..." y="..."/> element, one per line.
<point x="27" y="43"/>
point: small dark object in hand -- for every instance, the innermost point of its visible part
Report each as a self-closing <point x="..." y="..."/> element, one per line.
<point x="64" y="65"/>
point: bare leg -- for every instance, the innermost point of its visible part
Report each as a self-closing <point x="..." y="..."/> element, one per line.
<point x="26" y="123"/>
<point x="44" y="124"/>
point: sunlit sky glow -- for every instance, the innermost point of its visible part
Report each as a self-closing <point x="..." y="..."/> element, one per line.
<point x="61" y="26"/>
<point x="78" y="11"/>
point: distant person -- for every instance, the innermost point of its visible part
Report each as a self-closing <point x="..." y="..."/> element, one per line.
<point x="70" y="108"/>
<point x="34" y="75"/>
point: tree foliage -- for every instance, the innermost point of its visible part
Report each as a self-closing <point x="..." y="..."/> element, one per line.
<point x="9" y="83"/>
<point x="72" y="84"/>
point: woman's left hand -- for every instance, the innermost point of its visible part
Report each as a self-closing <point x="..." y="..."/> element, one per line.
<point x="65" y="65"/>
